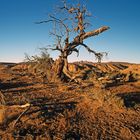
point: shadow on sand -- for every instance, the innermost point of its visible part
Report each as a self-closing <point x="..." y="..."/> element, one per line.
<point x="130" y="99"/>
<point x="48" y="113"/>
<point x="8" y="85"/>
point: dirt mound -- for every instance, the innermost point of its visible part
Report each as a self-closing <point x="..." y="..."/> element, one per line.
<point x="104" y="67"/>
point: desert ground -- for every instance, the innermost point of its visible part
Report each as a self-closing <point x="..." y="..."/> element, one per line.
<point x="104" y="106"/>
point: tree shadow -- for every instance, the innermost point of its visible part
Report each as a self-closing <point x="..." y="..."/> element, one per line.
<point x="27" y="90"/>
<point x="130" y="99"/>
<point x="51" y="110"/>
<point x="11" y="87"/>
<point x="72" y="135"/>
<point x="8" y="85"/>
<point x="47" y="112"/>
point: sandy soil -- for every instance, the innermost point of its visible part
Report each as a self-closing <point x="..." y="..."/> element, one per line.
<point x="69" y="111"/>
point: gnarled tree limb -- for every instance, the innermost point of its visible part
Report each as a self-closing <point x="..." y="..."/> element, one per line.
<point x="94" y="32"/>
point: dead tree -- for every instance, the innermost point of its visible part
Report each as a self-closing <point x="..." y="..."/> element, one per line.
<point x="65" y="44"/>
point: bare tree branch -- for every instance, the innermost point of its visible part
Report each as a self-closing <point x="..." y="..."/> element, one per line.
<point x="98" y="56"/>
<point x="54" y="19"/>
<point x="94" y="32"/>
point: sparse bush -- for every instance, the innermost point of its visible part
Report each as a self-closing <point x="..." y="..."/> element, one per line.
<point x="40" y="65"/>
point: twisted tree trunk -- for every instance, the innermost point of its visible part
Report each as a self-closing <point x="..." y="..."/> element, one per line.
<point x="57" y="70"/>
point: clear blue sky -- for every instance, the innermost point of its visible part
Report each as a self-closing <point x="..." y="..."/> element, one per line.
<point x="19" y="34"/>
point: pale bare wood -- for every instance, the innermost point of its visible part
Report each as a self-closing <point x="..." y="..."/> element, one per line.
<point x="94" y="32"/>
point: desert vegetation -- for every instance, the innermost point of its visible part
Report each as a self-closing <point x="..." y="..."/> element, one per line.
<point x="46" y="99"/>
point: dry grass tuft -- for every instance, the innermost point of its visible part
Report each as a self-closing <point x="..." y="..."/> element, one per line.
<point x="2" y="100"/>
<point x="2" y="109"/>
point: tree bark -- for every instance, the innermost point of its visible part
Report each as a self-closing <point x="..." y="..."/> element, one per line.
<point x="61" y="71"/>
<point x="57" y="70"/>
